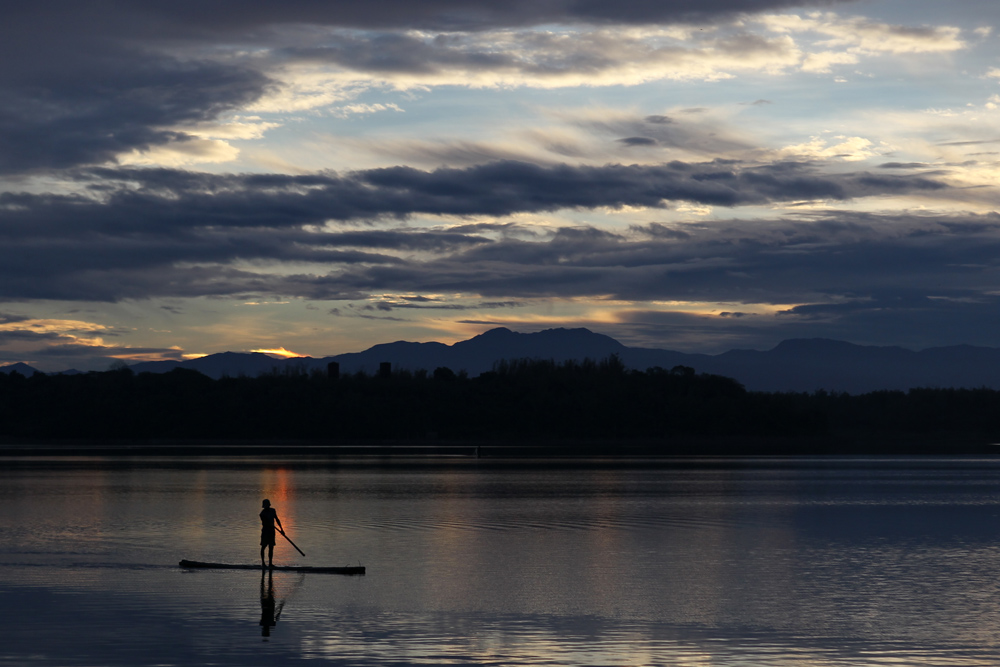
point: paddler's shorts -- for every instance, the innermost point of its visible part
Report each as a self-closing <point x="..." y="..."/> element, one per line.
<point x="267" y="537"/>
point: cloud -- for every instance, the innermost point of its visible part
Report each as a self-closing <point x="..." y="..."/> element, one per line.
<point x="595" y="136"/>
<point x="904" y="165"/>
<point x="848" y="149"/>
<point x="168" y="202"/>
<point x="576" y="53"/>
<point x="833" y="258"/>
<point x="78" y="342"/>
<point x="833" y="273"/>
<point x="451" y="152"/>
<point x="90" y="83"/>
<point x="905" y="321"/>
<point x="693" y="135"/>
<point x="73" y="98"/>
<point x="180" y="152"/>
<point x="161" y="232"/>
<point x="50" y="327"/>
<point x="178" y="18"/>
<point x="638" y="141"/>
<point x="862" y="35"/>
<point x="7" y="319"/>
<point x="540" y="58"/>
<point x="436" y="303"/>
<point x="824" y="61"/>
<point x="361" y="109"/>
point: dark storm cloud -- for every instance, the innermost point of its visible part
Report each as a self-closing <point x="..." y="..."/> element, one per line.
<point x="170" y="201"/>
<point x="187" y="18"/>
<point x="503" y="188"/>
<point x="9" y="318"/>
<point x="836" y="259"/>
<point x="27" y="335"/>
<point x="861" y="277"/>
<point x="131" y="238"/>
<point x="69" y="97"/>
<point x="84" y="81"/>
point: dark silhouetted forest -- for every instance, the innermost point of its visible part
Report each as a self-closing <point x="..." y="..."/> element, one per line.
<point x="519" y="401"/>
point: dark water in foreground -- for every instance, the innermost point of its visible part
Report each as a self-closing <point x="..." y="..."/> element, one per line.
<point x="767" y="561"/>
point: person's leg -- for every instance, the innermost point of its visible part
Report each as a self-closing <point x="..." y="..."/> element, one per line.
<point x="262" y="547"/>
<point x="270" y="555"/>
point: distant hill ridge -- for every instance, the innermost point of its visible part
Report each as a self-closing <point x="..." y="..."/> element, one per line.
<point x="793" y="365"/>
<point x="20" y="367"/>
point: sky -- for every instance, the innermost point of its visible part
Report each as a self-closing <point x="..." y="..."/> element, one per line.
<point x="314" y="177"/>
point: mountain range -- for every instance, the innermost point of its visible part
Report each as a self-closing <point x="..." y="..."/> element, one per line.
<point x="19" y="367"/>
<point x="802" y="365"/>
<point x="794" y="365"/>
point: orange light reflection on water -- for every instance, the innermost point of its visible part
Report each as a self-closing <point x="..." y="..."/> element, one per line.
<point x="277" y="485"/>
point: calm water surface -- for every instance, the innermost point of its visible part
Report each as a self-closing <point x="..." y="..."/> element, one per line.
<point x="742" y="561"/>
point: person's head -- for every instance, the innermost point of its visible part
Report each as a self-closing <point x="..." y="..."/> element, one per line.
<point x="266" y="503"/>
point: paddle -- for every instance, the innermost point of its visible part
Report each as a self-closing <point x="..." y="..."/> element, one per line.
<point x="290" y="541"/>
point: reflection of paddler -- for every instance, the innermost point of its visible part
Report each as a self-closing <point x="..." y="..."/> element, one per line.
<point x="268" y="517"/>
<point x="269" y="612"/>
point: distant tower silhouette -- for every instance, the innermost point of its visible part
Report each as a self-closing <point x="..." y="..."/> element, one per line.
<point x="333" y="370"/>
<point x="385" y="370"/>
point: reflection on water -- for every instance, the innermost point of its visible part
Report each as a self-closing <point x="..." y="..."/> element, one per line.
<point x="269" y="613"/>
<point x="768" y="561"/>
<point x="272" y="602"/>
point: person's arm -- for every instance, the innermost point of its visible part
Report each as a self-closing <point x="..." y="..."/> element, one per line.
<point x="278" y="521"/>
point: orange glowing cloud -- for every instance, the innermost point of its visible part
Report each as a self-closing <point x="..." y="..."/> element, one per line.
<point x="280" y="352"/>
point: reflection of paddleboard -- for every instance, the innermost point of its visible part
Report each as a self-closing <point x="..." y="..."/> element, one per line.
<point x="356" y="569"/>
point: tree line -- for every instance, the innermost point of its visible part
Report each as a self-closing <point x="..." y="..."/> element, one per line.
<point x="519" y="401"/>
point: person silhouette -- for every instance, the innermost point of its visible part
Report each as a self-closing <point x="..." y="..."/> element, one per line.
<point x="268" y="517"/>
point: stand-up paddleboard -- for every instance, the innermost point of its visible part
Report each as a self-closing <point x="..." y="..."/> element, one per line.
<point x="352" y="569"/>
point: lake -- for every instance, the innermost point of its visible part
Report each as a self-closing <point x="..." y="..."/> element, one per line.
<point x="680" y="561"/>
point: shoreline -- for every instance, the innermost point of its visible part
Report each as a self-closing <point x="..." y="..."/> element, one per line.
<point x="704" y="446"/>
